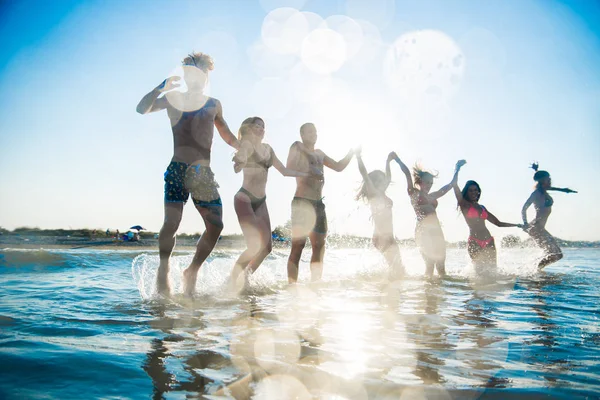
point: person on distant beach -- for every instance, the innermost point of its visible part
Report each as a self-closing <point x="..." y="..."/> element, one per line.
<point x="255" y="158"/>
<point x="481" y="244"/>
<point x="308" y="211"/>
<point x="428" y="233"/>
<point x="542" y="202"/>
<point x="193" y="117"/>
<point x="373" y="188"/>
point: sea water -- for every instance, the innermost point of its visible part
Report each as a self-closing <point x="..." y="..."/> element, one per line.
<point x="88" y="324"/>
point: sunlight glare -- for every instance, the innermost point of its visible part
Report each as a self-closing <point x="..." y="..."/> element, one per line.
<point x="350" y="30"/>
<point x="284" y="29"/>
<point x="271" y="98"/>
<point x="424" y="63"/>
<point x="324" y="51"/>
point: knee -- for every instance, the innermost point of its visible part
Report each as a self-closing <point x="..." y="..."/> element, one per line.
<point x="169" y="228"/>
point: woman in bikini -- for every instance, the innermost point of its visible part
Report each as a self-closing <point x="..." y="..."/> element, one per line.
<point x="428" y="232"/>
<point x="481" y="244"/>
<point x="254" y="158"/>
<point x="542" y="202"/>
<point x="375" y="183"/>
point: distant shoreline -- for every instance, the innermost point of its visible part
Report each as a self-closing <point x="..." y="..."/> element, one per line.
<point x="188" y="243"/>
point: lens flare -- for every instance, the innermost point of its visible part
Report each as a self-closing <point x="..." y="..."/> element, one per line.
<point x="284" y="29"/>
<point x="308" y="86"/>
<point x="349" y="29"/>
<point x="379" y="12"/>
<point x="424" y="63"/>
<point x="281" y="387"/>
<point x="323" y="51"/>
<point x="271" y="98"/>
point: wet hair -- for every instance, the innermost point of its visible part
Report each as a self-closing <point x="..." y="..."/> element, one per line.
<point x="465" y="190"/>
<point x="246" y="126"/>
<point x="304" y="126"/>
<point x="199" y="60"/>
<point x="419" y="173"/>
<point x="362" y="191"/>
<point x="539" y="175"/>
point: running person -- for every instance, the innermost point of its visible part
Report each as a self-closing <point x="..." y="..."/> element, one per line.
<point x="255" y="158"/>
<point x="308" y="211"/>
<point x="428" y="232"/>
<point x="375" y="183"/>
<point x="542" y="202"/>
<point x="481" y="244"/>
<point x="193" y="117"/>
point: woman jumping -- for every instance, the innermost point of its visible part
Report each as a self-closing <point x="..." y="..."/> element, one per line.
<point x="481" y="244"/>
<point x="375" y="183"/>
<point x="542" y="202"/>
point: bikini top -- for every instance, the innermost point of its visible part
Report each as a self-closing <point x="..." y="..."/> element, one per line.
<point x="254" y="160"/>
<point x="419" y="201"/>
<point x="473" y="213"/>
<point x="548" y="201"/>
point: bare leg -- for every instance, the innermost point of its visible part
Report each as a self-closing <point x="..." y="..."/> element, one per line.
<point x="256" y="227"/>
<point x="549" y="259"/>
<point x="298" y="244"/>
<point x="317" y="240"/>
<point x="166" y="243"/>
<point x="266" y="241"/>
<point x="547" y="242"/>
<point x="394" y="260"/>
<point x="213" y="221"/>
<point x="429" y="266"/>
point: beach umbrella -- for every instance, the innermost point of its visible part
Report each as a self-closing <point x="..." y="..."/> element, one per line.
<point x="137" y="228"/>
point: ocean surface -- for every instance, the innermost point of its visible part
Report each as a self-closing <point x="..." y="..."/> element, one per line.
<point x="87" y="324"/>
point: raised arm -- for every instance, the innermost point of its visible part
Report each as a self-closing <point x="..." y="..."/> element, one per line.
<point x="363" y="172"/>
<point x="223" y="128"/>
<point x="406" y="171"/>
<point x="526" y="206"/>
<point x="459" y="197"/>
<point x="564" y="190"/>
<point x="446" y="188"/>
<point x="388" y="170"/>
<point x="492" y="218"/>
<point x="151" y="103"/>
<point x="285" y="171"/>
<point x="340" y="165"/>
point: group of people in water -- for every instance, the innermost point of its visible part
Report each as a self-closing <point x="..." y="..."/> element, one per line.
<point x="194" y="115"/>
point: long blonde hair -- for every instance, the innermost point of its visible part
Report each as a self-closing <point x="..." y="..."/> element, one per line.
<point x="246" y="127"/>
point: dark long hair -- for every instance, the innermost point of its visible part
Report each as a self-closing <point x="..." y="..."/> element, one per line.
<point x="465" y="190"/>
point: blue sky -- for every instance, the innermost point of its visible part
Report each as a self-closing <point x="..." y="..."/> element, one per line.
<point x="526" y="87"/>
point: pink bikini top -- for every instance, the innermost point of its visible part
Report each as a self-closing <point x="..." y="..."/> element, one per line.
<point x="473" y="213"/>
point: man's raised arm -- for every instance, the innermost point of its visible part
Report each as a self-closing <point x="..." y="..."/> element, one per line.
<point x="151" y="103"/>
<point x="223" y="128"/>
<point x="338" y="166"/>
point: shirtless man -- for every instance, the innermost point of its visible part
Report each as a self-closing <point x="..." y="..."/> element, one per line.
<point x="308" y="211"/>
<point x="193" y="117"/>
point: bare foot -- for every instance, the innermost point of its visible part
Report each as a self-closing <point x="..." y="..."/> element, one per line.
<point x="189" y="282"/>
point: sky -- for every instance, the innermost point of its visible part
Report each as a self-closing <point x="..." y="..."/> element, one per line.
<point x="500" y="83"/>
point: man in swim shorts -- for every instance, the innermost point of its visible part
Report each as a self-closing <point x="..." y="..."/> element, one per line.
<point x="308" y="211"/>
<point x="193" y="116"/>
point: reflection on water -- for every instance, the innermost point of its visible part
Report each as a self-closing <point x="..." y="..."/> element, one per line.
<point x="353" y="336"/>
